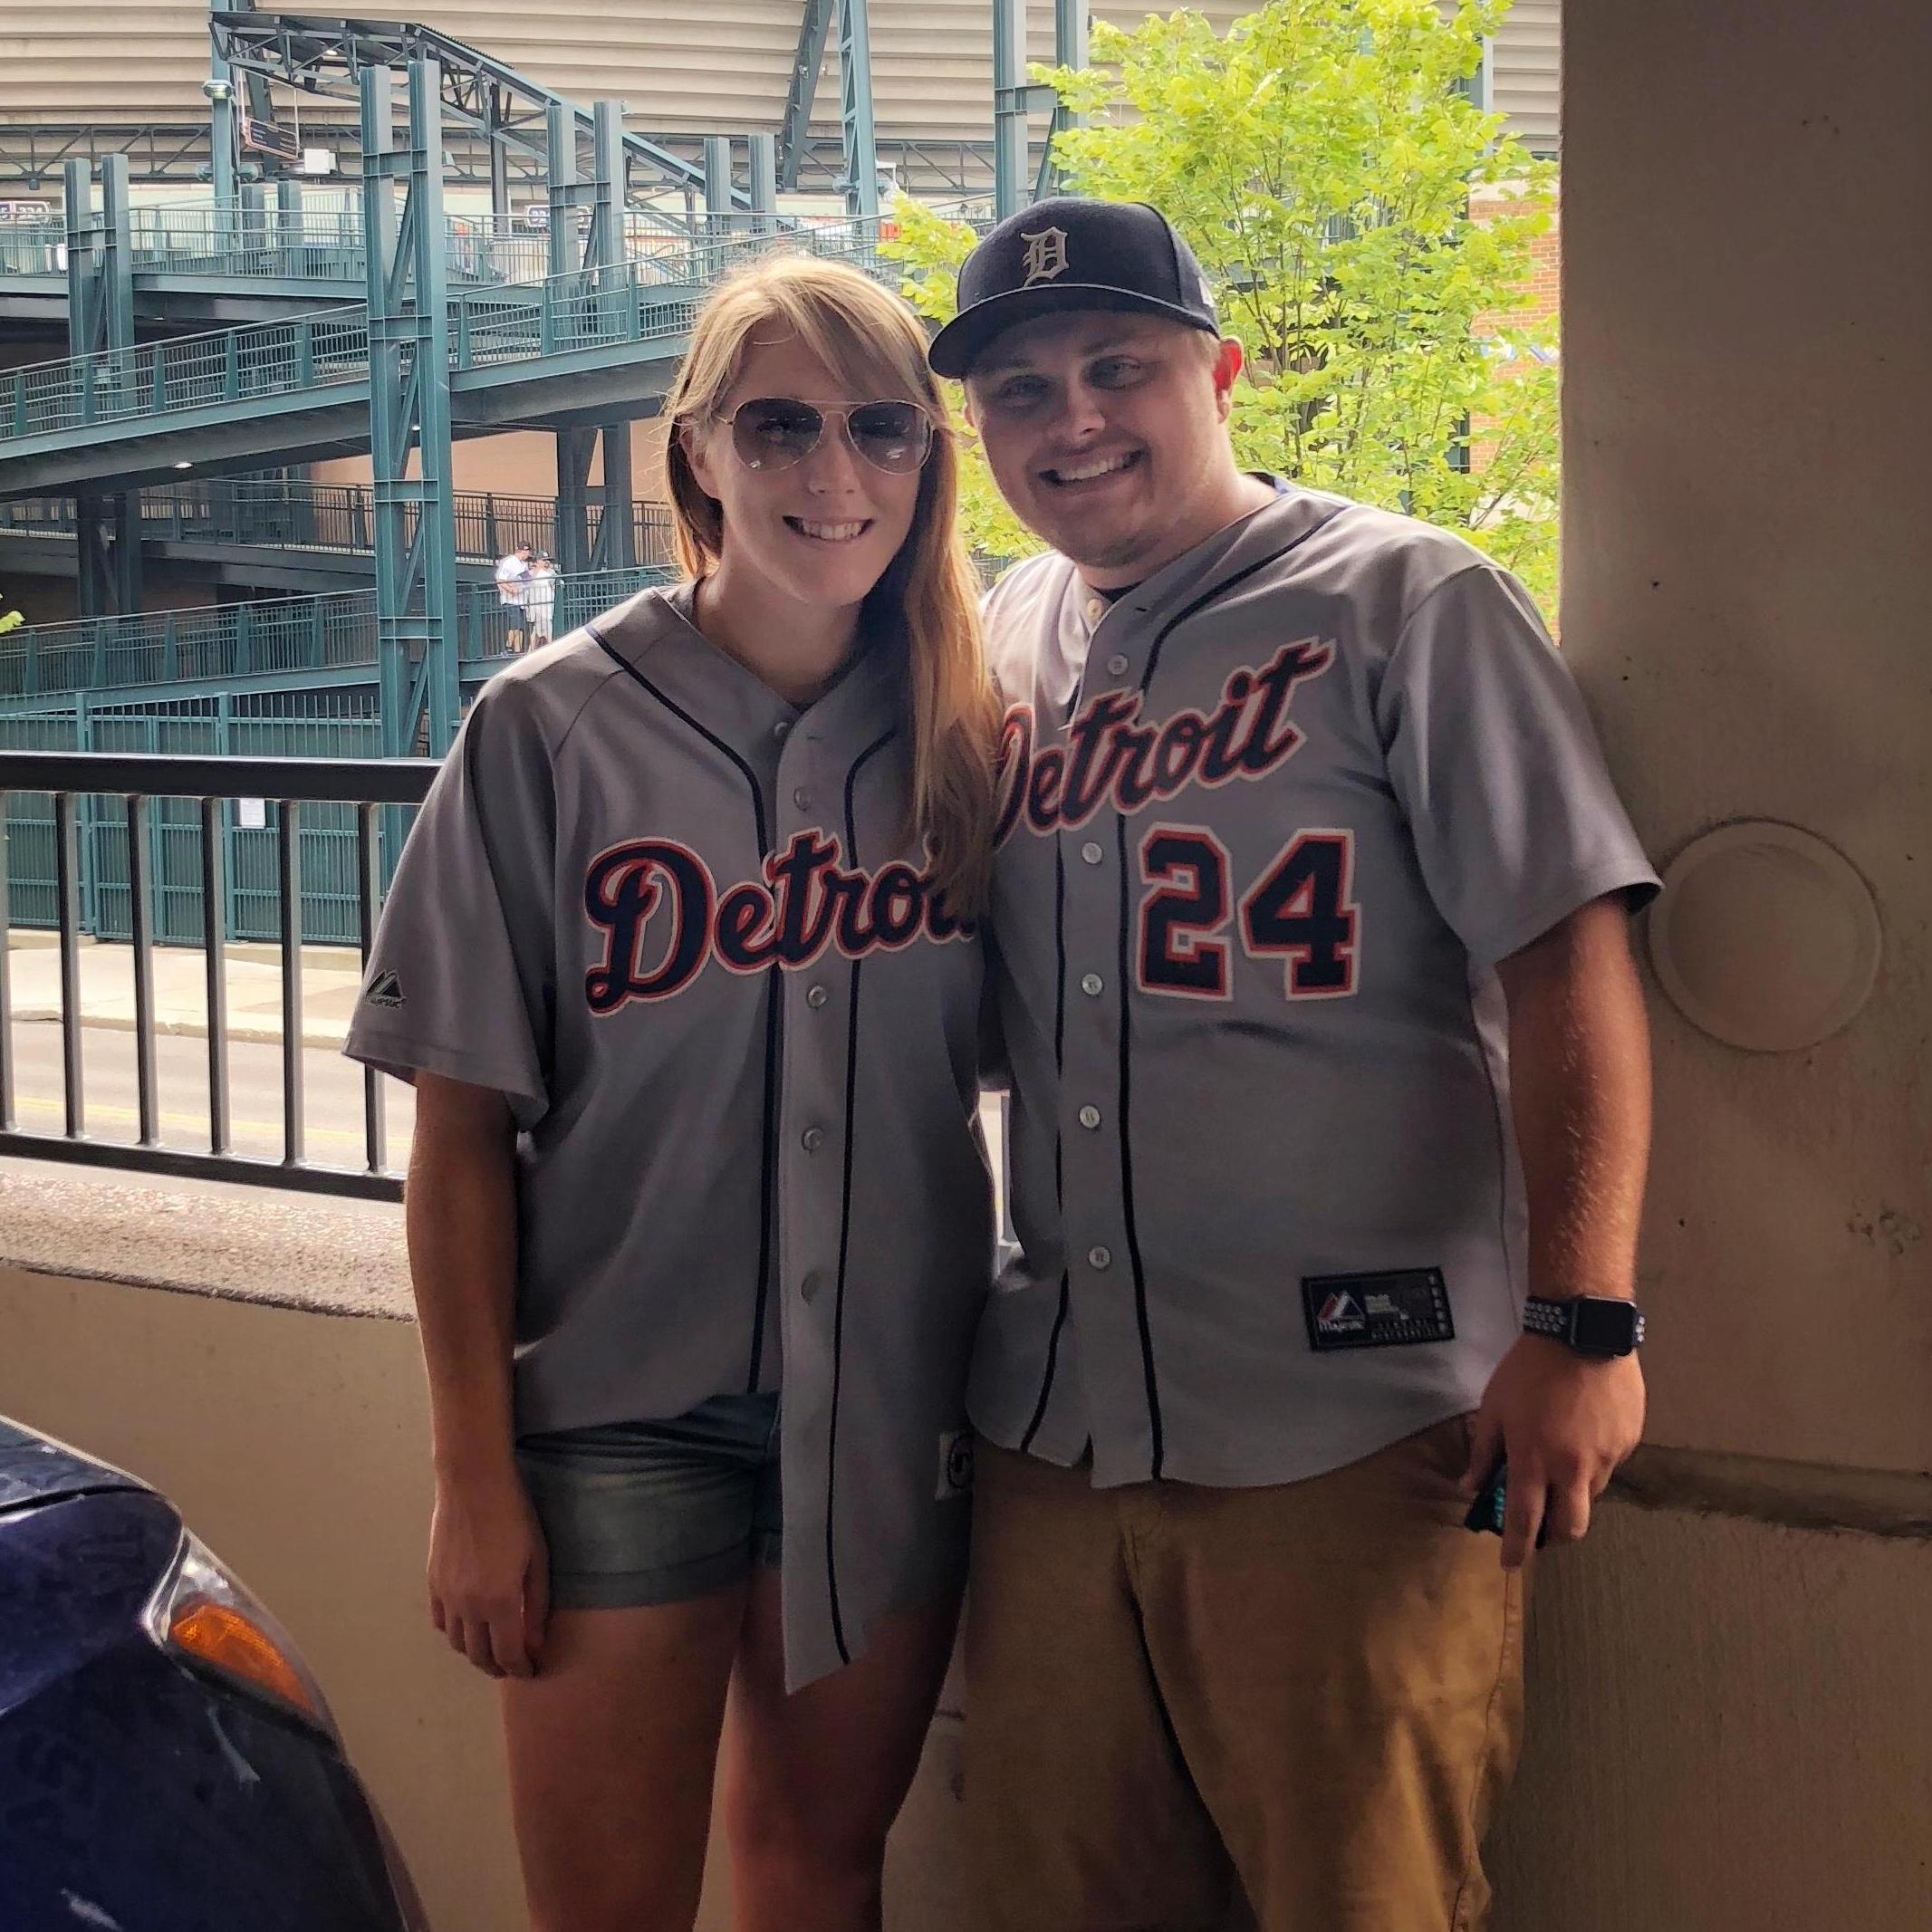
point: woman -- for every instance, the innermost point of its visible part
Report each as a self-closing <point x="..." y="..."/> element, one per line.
<point x="540" y="598"/>
<point x="677" y="956"/>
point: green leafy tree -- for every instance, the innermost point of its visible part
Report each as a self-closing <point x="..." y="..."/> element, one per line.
<point x="933" y="250"/>
<point x="1368" y="231"/>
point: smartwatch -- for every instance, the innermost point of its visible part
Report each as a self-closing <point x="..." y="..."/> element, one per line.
<point x="1592" y="1324"/>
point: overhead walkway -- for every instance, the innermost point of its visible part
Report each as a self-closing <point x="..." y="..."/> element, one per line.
<point x="585" y="347"/>
<point x="292" y="534"/>
<point x="250" y="261"/>
<point x="297" y="645"/>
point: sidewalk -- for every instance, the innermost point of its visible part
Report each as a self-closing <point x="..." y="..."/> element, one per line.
<point x="331" y="979"/>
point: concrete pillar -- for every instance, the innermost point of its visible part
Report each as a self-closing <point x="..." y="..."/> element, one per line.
<point x="1731" y="1701"/>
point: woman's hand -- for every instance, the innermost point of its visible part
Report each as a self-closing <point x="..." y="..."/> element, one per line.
<point x="489" y="1573"/>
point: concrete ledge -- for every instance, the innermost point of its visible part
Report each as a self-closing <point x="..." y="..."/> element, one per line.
<point x="319" y="1253"/>
<point x="1791" y="1494"/>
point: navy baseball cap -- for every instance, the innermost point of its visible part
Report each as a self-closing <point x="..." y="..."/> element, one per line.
<point x="1070" y="254"/>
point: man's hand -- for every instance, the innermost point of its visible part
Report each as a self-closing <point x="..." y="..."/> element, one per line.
<point x="1563" y="1423"/>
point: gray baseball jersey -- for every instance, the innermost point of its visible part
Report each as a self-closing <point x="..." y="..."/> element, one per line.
<point x="679" y="923"/>
<point x="1268" y="822"/>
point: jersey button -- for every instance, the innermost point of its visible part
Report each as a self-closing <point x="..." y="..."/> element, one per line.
<point x="816" y="995"/>
<point x="808" y="1289"/>
<point x="812" y="1140"/>
<point x="801" y="798"/>
<point x="1091" y="852"/>
<point x="1116" y="665"/>
<point x="1091" y="985"/>
<point x="782" y="730"/>
<point x="1089" y="1117"/>
<point x="1096" y="609"/>
<point x="1100" y="1258"/>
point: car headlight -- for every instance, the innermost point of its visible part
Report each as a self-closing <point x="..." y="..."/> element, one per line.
<point x="206" y="1617"/>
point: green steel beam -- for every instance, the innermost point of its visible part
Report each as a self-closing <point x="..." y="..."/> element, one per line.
<point x="855" y="110"/>
<point x="573" y="497"/>
<point x="1009" y="107"/>
<point x="763" y="162"/>
<point x="1069" y="50"/>
<point x="327" y="55"/>
<point x="408" y="388"/>
<point x="794" y="129"/>
<point x="100" y="322"/>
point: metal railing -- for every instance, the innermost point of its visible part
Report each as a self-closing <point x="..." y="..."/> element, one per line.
<point x="224" y="643"/>
<point x="39" y="249"/>
<point x="223" y="366"/>
<point x="312" y="244"/>
<point x="244" y="240"/>
<point x="283" y="787"/>
<point x="290" y="514"/>
<point x="635" y="302"/>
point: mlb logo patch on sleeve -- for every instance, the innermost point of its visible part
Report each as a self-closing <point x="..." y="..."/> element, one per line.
<point x="1385" y="1311"/>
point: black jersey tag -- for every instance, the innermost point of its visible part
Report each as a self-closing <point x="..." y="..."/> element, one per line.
<point x="1377" y="1311"/>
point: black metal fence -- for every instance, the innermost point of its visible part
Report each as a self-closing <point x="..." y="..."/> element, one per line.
<point x="176" y="816"/>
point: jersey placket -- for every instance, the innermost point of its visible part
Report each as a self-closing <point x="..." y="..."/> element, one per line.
<point x="818" y="777"/>
<point x="816" y="1005"/>
<point x="1110" y="1292"/>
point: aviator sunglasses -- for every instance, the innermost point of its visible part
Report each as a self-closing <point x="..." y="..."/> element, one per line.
<point x="775" y="432"/>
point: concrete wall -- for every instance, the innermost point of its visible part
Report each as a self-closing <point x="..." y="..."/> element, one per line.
<point x="523" y="463"/>
<point x="296" y="1445"/>
<point x="1732" y="1717"/>
<point x="1728" y="1719"/>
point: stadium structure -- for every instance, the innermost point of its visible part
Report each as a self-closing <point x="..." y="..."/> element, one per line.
<point x="306" y="319"/>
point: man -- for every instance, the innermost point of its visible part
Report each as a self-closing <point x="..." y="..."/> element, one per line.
<point x="512" y="579"/>
<point x="1311" y="903"/>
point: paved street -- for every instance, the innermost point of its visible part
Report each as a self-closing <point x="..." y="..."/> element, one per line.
<point x="334" y="1111"/>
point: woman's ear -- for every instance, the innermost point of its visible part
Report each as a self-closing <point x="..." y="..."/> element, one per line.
<point x="693" y="442"/>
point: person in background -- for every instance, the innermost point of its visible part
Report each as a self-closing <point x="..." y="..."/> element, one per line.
<point x="540" y="598"/>
<point x="513" y="578"/>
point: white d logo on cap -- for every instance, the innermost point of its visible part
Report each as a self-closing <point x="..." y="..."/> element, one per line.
<point x="1046" y="255"/>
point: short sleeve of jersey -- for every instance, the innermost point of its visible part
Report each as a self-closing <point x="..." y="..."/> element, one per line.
<point x="461" y="976"/>
<point x="1491" y="753"/>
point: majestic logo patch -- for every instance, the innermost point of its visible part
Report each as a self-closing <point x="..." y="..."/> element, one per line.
<point x="1046" y="254"/>
<point x="1387" y="1310"/>
<point x="1111" y="758"/>
<point x="805" y="904"/>
<point x="1341" y="1314"/>
<point x="384" y="990"/>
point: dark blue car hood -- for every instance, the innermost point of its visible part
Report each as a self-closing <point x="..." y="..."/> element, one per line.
<point x="35" y="1469"/>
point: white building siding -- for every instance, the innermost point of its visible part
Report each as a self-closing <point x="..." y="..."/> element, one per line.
<point x="682" y="66"/>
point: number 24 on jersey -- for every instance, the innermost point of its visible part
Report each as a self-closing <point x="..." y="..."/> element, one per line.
<point x="1299" y="911"/>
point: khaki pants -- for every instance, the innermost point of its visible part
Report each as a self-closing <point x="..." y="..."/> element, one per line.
<point x="1192" y="1708"/>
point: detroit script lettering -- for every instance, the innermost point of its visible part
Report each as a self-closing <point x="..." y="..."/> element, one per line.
<point x="1111" y="758"/>
<point x="805" y="904"/>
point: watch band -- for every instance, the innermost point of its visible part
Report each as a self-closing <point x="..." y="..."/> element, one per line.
<point x="1591" y="1324"/>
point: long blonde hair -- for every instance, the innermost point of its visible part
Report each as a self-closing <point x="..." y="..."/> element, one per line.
<point x="926" y="603"/>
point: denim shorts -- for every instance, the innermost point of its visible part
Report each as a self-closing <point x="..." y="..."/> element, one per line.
<point x="639" y="1513"/>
